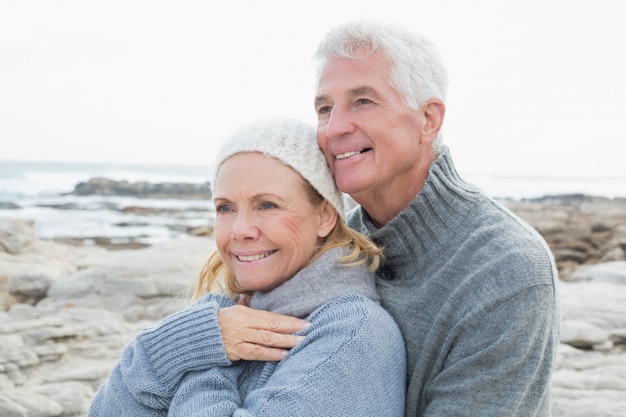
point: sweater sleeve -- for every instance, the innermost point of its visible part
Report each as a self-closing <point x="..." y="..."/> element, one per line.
<point x="499" y="364"/>
<point x="351" y="363"/>
<point x="144" y="380"/>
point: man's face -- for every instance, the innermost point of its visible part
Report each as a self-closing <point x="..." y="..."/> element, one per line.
<point x="369" y="137"/>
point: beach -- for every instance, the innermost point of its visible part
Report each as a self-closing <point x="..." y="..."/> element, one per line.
<point x="69" y="303"/>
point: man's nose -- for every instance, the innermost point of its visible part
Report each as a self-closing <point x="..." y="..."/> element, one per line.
<point x="339" y="123"/>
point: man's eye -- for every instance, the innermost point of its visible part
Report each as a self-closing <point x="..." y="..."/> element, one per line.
<point x="363" y="101"/>
<point x="323" y="110"/>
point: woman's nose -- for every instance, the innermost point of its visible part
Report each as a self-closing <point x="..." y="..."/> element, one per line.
<point x="244" y="227"/>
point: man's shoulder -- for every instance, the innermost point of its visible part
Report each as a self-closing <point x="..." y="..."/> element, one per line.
<point x="505" y="227"/>
<point x="502" y="243"/>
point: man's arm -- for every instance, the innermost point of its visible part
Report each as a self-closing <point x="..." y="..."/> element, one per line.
<point x="502" y="362"/>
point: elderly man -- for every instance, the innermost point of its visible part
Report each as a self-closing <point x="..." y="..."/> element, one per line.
<point x="472" y="287"/>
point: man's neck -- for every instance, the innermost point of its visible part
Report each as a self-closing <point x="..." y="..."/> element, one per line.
<point x="385" y="203"/>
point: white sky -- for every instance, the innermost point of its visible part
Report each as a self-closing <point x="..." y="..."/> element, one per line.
<point x="536" y="87"/>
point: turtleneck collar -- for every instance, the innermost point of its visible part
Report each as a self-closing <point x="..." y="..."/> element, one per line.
<point x="436" y="215"/>
<point x="317" y="284"/>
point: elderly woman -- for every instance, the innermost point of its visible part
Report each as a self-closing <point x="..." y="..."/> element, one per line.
<point x="282" y="246"/>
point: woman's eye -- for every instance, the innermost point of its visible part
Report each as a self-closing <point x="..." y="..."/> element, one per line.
<point x="223" y="209"/>
<point x="267" y="205"/>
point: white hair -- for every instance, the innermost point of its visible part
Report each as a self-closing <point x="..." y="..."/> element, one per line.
<point x="417" y="72"/>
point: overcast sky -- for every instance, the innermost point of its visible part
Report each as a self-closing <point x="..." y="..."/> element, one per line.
<point x="536" y="87"/>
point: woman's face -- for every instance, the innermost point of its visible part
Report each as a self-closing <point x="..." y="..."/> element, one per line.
<point x="266" y="229"/>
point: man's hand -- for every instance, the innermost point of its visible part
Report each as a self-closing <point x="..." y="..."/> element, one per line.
<point x="256" y="334"/>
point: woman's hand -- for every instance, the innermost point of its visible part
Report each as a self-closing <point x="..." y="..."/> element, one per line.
<point x="256" y="334"/>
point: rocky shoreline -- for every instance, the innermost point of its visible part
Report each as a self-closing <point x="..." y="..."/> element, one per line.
<point x="119" y="206"/>
<point x="143" y="189"/>
<point x="66" y="310"/>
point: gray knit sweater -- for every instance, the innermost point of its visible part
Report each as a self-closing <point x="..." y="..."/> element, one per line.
<point x="474" y="291"/>
<point x="350" y="364"/>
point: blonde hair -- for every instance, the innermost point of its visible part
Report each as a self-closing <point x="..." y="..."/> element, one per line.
<point x="215" y="276"/>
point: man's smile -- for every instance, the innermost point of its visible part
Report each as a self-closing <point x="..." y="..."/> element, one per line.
<point x="350" y="153"/>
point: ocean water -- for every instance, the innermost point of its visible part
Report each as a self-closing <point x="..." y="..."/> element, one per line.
<point x="40" y="192"/>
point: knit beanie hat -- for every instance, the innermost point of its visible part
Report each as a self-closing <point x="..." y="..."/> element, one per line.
<point x="295" y="145"/>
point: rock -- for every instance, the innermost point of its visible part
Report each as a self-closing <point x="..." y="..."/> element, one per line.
<point x="67" y="311"/>
<point x="582" y="334"/>
<point x="579" y="229"/>
<point x="609" y="272"/>
<point x="35" y="405"/>
<point x="600" y="304"/>
<point x="15" y="234"/>
<point x="142" y="189"/>
<point x="589" y="383"/>
<point x="73" y="397"/>
<point x="27" y="277"/>
<point x="9" y="408"/>
<point x="8" y="205"/>
<point x="6" y="299"/>
<point x="159" y="274"/>
<point x="204" y="231"/>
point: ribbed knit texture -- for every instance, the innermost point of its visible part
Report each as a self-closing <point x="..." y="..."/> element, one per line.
<point x="301" y="295"/>
<point x="351" y="362"/>
<point x="474" y="291"/>
<point x="293" y="143"/>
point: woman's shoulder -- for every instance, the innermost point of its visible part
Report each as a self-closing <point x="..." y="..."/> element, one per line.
<point x="355" y="312"/>
<point x="352" y="327"/>
<point x="348" y="303"/>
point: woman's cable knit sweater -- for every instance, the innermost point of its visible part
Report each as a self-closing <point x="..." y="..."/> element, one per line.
<point x="474" y="291"/>
<point x="351" y="362"/>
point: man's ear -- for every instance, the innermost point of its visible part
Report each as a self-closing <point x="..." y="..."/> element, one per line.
<point x="434" y="112"/>
<point x="328" y="218"/>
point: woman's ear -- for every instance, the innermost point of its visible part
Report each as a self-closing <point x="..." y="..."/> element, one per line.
<point x="434" y="112"/>
<point x="328" y="218"/>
